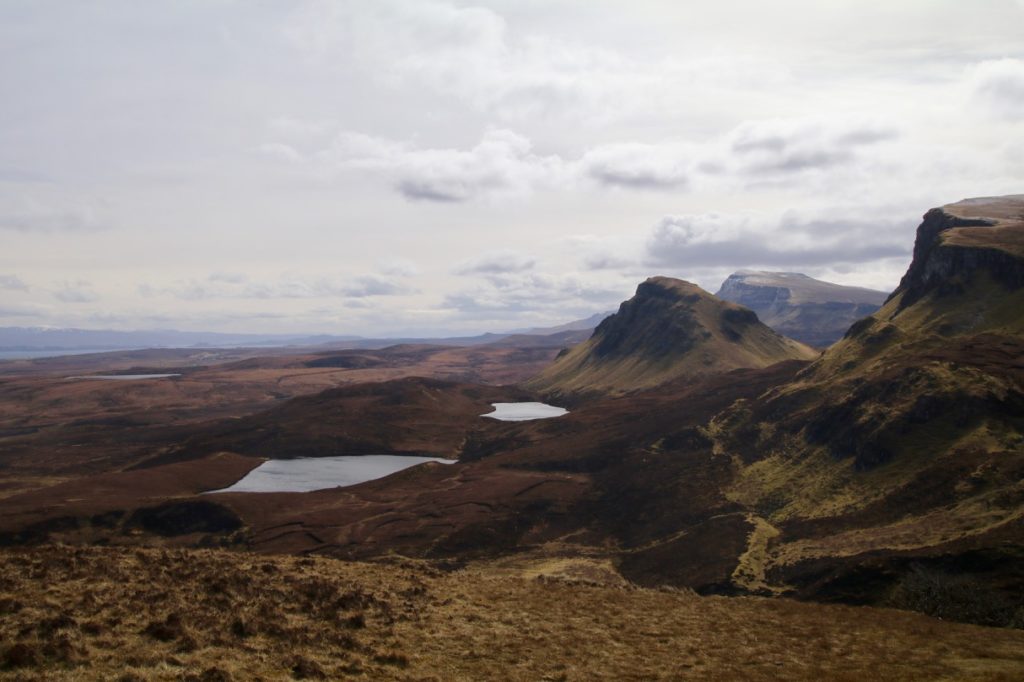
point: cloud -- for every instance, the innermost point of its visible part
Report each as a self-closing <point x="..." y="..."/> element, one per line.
<point x="372" y="285"/>
<point x="501" y="163"/>
<point x="237" y="286"/>
<point x="22" y="310"/>
<point x="12" y="283"/>
<point x="398" y="267"/>
<point x="739" y="241"/>
<point x="636" y="166"/>
<point x="547" y="296"/>
<point x="279" y="151"/>
<point x="79" y="291"/>
<point x="789" y="146"/>
<point x="228" y="277"/>
<point x="497" y="263"/>
<point x="999" y="84"/>
<point x="24" y="214"/>
<point x="476" y="56"/>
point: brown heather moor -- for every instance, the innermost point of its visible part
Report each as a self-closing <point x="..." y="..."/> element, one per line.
<point x="94" y="613"/>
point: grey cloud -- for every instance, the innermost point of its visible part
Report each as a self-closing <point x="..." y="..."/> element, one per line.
<point x="497" y="263"/>
<point x="372" y="285"/>
<point x="76" y="292"/>
<point x="12" y="283"/>
<point x="605" y="261"/>
<point x="433" y="190"/>
<point x="792" y="146"/>
<point x="691" y="242"/>
<point x="637" y="179"/>
<point x="22" y="176"/>
<point x="636" y="166"/>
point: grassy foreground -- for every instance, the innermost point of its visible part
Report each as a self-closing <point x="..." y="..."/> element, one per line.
<point x="70" y="613"/>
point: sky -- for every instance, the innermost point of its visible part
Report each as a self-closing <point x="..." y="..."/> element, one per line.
<point x="425" y="167"/>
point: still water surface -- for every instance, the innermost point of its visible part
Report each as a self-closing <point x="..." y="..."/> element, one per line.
<point x="317" y="473"/>
<point x="125" y="377"/>
<point x="521" y="412"/>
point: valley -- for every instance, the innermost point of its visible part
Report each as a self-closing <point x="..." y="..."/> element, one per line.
<point x="705" y="471"/>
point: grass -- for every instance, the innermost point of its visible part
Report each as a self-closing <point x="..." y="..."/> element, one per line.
<point x="147" y="614"/>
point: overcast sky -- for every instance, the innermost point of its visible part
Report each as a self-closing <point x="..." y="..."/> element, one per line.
<point x="432" y="167"/>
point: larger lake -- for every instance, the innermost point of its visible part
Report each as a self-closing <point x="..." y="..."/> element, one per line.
<point x="317" y="473"/>
<point x="124" y="377"/>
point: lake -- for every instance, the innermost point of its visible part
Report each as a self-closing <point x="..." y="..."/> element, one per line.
<point x="521" y="412"/>
<point x="125" y="377"/>
<point x="317" y="473"/>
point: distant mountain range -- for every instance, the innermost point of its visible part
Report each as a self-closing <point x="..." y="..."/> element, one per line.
<point x="75" y="340"/>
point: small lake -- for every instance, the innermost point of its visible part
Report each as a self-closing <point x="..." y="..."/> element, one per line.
<point x="521" y="412"/>
<point x="125" y="377"/>
<point x="318" y="473"/>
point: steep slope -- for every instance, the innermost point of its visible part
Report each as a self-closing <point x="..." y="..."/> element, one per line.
<point x="903" y="444"/>
<point x="670" y="329"/>
<point x="803" y="308"/>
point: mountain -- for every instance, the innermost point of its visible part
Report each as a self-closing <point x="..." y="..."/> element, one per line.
<point x="803" y="308"/>
<point x="901" y="449"/>
<point x="668" y="330"/>
<point x="35" y="342"/>
<point x="586" y="324"/>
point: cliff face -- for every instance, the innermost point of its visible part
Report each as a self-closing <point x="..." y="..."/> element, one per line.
<point x="670" y="329"/>
<point x="906" y="438"/>
<point x="948" y="252"/>
<point x="809" y="310"/>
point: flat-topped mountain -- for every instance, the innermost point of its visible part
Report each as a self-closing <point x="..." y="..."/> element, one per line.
<point x="670" y="329"/>
<point x="809" y="310"/>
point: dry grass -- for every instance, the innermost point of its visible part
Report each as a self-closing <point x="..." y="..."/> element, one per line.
<point x="132" y="614"/>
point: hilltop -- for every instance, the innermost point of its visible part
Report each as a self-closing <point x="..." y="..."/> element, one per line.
<point x="671" y="329"/>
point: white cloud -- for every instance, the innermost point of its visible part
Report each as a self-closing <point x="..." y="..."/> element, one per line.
<point x="544" y="296"/>
<point x="238" y="286"/>
<point x="999" y="84"/>
<point x="502" y="163"/>
<point x="398" y="267"/>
